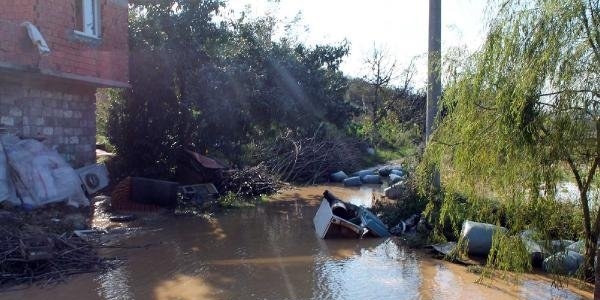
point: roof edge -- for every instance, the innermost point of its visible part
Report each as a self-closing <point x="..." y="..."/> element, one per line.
<point x="96" y="81"/>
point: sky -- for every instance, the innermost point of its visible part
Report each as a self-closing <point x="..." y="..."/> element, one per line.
<point x="398" y="26"/>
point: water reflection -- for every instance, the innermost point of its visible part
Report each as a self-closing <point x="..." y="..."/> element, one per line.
<point x="381" y="272"/>
<point x="541" y="290"/>
<point x="114" y="284"/>
<point x="363" y="196"/>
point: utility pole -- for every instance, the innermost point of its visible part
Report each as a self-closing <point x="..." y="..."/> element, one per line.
<point x="434" y="59"/>
<point x="434" y="64"/>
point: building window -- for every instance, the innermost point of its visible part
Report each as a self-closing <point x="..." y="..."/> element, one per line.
<point x="87" y="17"/>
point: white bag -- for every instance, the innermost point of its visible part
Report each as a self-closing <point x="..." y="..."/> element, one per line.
<point x="43" y="175"/>
<point x="7" y="189"/>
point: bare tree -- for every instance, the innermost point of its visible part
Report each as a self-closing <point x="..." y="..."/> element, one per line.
<point x="380" y="73"/>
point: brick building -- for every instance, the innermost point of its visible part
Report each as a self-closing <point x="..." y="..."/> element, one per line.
<point x="50" y="92"/>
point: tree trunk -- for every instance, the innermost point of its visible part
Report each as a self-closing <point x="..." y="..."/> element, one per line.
<point x="597" y="278"/>
<point x="590" y="254"/>
<point x="590" y="235"/>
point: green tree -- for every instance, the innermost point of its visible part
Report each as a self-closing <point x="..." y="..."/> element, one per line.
<point x="204" y="80"/>
<point x="526" y="108"/>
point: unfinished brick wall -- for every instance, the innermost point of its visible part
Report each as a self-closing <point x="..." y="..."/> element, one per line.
<point x="63" y="115"/>
<point x="52" y="96"/>
<point x="103" y="58"/>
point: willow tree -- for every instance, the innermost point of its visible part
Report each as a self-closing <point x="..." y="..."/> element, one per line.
<point x="525" y="109"/>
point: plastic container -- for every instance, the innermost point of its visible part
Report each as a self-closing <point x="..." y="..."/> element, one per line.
<point x="565" y="262"/>
<point x="371" y="179"/>
<point x="394" y="178"/>
<point x="353" y="181"/>
<point x="338" y="176"/>
<point x="479" y="236"/>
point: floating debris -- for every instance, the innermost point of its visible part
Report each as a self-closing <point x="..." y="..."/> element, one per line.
<point x="336" y="218"/>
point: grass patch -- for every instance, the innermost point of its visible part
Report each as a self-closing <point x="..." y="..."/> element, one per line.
<point x="232" y="200"/>
<point x="385" y="155"/>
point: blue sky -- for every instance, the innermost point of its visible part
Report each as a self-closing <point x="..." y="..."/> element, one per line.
<point x="400" y="26"/>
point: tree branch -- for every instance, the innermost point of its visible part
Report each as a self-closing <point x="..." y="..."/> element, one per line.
<point x="590" y="38"/>
<point x="593" y="92"/>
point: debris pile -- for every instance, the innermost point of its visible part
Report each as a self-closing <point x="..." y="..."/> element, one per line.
<point x="308" y="159"/>
<point x="121" y="199"/>
<point x="337" y="218"/>
<point x="33" y="175"/>
<point x="394" y="175"/>
<point x="250" y="182"/>
<point x="43" y="199"/>
<point x="30" y="255"/>
<point x="193" y="168"/>
<point x="553" y="256"/>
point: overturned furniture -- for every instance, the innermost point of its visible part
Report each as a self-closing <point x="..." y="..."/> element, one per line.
<point x="144" y="194"/>
<point x="203" y="195"/>
<point x="336" y="218"/>
<point x="194" y="168"/>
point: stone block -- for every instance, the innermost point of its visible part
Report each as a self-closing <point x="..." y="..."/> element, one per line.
<point x="58" y="131"/>
<point x="7" y="100"/>
<point x="16" y="112"/>
<point x="26" y="131"/>
<point x="48" y="131"/>
<point x="35" y="111"/>
<point x="34" y="92"/>
<point x="7" y="121"/>
<point x="47" y="94"/>
<point x="67" y="120"/>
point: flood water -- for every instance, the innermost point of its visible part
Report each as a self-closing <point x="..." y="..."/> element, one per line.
<point x="271" y="252"/>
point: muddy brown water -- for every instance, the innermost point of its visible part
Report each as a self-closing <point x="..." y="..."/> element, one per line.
<point x="271" y="252"/>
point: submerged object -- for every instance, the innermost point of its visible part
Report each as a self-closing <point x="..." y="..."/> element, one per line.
<point x="373" y="223"/>
<point x="336" y="218"/>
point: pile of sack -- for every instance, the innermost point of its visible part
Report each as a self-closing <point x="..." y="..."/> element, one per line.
<point x="33" y="175"/>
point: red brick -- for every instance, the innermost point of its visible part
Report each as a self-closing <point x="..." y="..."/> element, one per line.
<point x="56" y="20"/>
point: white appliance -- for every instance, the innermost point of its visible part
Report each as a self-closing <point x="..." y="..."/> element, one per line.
<point x="94" y="177"/>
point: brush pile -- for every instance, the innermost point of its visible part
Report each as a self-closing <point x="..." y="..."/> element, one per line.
<point x="309" y="159"/>
<point x="29" y="254"/>
<point x="250" y="182"/>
